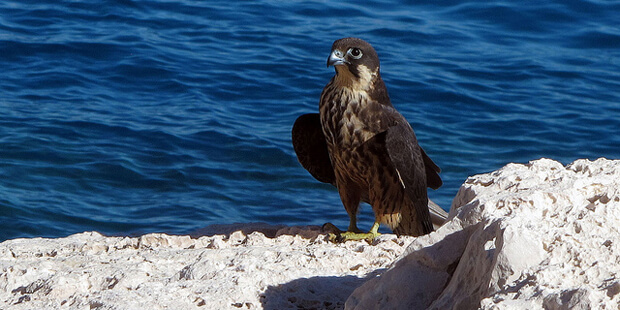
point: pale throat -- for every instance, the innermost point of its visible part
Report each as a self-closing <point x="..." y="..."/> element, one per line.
<point x="362" y="82"/>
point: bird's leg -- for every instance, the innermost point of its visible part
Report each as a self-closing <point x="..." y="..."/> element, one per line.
<point x="374" y="230"/>
<point x="351" y="196"/>
<point x="353" y="223"/>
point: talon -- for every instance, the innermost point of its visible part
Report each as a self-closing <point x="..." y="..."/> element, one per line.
<point x="335" y="238"/>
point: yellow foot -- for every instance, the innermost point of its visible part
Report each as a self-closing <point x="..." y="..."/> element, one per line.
<point x="352" y="236"/>
<point x="336" y="235"/>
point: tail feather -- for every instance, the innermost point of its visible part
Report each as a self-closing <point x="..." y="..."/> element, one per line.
<point x="406" y="222"/>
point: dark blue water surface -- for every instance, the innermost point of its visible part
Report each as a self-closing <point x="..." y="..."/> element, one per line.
<point x="130" y="117"/>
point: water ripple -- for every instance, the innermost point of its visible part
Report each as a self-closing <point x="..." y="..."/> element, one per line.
<point x="130" y="117"/>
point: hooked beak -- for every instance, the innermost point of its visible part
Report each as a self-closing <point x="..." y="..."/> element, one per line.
<point x="336" y="58"/>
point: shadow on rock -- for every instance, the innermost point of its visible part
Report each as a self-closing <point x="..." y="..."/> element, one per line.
<point x="312" y="293"/>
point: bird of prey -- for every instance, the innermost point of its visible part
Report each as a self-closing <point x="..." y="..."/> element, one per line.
<point x="363" y="146"/>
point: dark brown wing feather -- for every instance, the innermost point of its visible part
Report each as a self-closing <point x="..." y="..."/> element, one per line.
<point x="433" y="180"/>
<point x="311" y="148"/>
<point x="406" y="156"/>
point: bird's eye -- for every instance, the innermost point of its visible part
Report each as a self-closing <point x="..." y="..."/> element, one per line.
<point x="355" y="53"/>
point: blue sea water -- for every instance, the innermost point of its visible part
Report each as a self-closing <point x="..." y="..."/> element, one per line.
<point x="129" y="117"/>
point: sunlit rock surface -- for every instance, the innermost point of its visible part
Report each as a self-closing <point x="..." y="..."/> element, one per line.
<point x="531" y="236"/>
<point x="248" y="266"/>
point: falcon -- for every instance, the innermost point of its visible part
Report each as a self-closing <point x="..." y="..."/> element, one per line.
<point x="359" y="143"/>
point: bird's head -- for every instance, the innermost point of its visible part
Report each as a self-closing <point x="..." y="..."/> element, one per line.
<point x="356" y="62"/>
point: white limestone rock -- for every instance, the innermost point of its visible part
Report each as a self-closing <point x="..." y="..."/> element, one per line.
<point x="530" y="236"/>
<point x="524" y="237"/>
<point x="295" y="268"/>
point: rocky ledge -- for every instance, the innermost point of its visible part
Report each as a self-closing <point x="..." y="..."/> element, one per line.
<point x="531" y="236"/>
<point x="534" y="236"/>
<point x="253" y="266"/>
